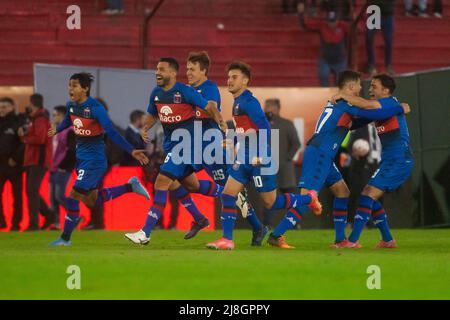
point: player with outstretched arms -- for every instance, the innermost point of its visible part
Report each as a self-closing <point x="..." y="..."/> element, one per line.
<point x="91" y="121"/>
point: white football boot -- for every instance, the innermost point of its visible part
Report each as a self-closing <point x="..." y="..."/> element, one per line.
<point x="138" y="237"/>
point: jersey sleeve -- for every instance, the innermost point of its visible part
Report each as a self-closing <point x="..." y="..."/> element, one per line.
<point x="151" y="108"/>
<point x="256" y="114"/>
<point x="194" y="98"/>
<point x="212" y="93"/>
<point x="102" y="117"/>
<point x="388" y="109"/>
<point x="66" y="121"/>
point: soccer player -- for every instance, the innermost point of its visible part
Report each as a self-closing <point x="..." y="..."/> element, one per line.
<point x="396" y="160"/>
<point x="250" y="120"/>
<point x="91" y="121"/>
<point x="318" y="166"/>
<point x="174" y="103"/>
<point x="198" y="64"/>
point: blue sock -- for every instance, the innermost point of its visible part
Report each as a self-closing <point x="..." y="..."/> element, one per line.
<point x="290" y="220"/>
<point x="228" y="216"/>
<point x="289" y="200"/>
<point x="72" y="218"/>
<point x="362" y="216"/>
<point x="155" y="212"/>
<point x="185" y="199"/>
<point x="379" y="218"/>
<point x="108" y="194"/>
<point x="340" y="212"/>
<point x="252" y="218"/>
<point x="210" y="189"/>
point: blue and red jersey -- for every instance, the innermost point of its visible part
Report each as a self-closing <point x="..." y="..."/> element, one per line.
<point x="393" y="132"/>
<point x="210" y="92"/>
<point x="248" y="117"/>
<point x="90" y="122"/>
<point x="337" y="119"/>
<point x="175" y="109"/>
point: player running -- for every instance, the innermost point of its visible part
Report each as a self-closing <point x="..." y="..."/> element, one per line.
<point x="174" y="104"/>
<point x="396" y="161"/>
<point x="91" y="121"/>
<point x="249" y="120"/>
<point x="198" y="64"/>
<point x="318" y="166"/>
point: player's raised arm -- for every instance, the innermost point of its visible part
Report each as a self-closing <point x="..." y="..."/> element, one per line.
<point x="357" y="101"/>
<point x="104" y="120"/>
<point x="389" y="108"/>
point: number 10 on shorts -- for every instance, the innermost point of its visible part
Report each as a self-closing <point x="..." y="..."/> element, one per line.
<point x="258" y="181"/>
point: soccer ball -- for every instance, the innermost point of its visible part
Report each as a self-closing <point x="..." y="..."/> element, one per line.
<point x="360" y="148"/>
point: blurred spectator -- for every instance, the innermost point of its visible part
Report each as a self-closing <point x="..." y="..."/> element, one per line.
<point x="11" y="160"/>
<point x="333" y="42"/>
<point x="114" y="7"/>
<point x="133" y="136"/>
<point x="387" y="27"/>
<point x="37" y="160"/>
<point x="421" y="6"/>
<point x="63" y="163"/>
<point x="289" y="144"/>
<point x="437" y="8"/>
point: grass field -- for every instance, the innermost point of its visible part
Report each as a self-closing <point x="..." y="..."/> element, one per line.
<point x="173" y="268"/>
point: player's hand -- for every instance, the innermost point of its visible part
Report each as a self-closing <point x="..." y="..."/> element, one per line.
<point x="336" y="97"/>
<point x="140" y="156"/>
<point x="144" y="135"/>
<point x="52" y="130"/>
<point x="223" y="126"/>
<point x="406" y="107"/>
<point x="257" y="161"/>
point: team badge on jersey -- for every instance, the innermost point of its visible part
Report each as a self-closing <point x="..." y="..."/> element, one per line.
<point x="87" y="113"/>
<point x="177" y="98"/>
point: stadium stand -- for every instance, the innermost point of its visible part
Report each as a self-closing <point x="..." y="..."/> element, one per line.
<point x="256" y="31"/>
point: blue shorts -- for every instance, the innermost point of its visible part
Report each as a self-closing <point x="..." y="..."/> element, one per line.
<point x="318" y="169"/>
<point x="243" y="173"/>
<point x="90" y="174"/>
<point x="175" y="171"/>
<point x="391" y="174"/>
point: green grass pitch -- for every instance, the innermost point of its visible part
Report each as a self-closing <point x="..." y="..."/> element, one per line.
<point x="173" y="268"/>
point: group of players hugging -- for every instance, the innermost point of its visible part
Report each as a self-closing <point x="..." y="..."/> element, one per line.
<point x="183" y="107"/>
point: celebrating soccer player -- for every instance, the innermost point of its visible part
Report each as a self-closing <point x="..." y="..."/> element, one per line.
<point x="91" y="121"/>
<point x="396" y="160"/>
<point x="198" y="64"/>
<point x="250" y="120"/>
<point x="318" y="166"/>
<point x="174" y="104"/>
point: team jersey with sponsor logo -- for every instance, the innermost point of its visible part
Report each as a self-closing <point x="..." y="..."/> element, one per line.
<point x="209" y="91"/>
<point x="336" y="120"/>
<point x="175" y="108"/>
<point x="90" y="122"/>
<point x="393" y="132"/>
<point x="248" y="117"/>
